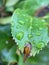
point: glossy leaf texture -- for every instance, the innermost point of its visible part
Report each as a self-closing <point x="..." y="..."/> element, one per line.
<point x="25" y="28"/>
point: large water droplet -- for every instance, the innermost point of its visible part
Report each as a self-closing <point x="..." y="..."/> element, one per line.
<point x="40" y="45"/>
<point x="19" y="35"/>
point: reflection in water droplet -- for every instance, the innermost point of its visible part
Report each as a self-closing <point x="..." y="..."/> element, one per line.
<point x="40" y="45"/>
<point x="19" y="35"/>
<point x="21" y="22"/>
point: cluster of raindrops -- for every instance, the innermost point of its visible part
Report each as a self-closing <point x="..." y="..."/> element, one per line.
<point x="24" y="29"/>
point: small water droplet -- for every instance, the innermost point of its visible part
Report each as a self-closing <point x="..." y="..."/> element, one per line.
<point x="21" y="22"/>
<point x="29" y="36"/>
<point x="19" y="35"/>
<point x="38" y="33"/>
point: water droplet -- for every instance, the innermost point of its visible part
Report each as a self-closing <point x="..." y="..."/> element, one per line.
<point x="19" y="35"/>
<point x="40" y="45"/>
<point x="38" y="33"/>
<point x="21" y="22"/>
<point x="29" y="36"/>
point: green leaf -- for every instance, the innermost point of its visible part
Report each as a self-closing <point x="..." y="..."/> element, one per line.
<point x="25" y="28"/>
<point x="30" y="6"/>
